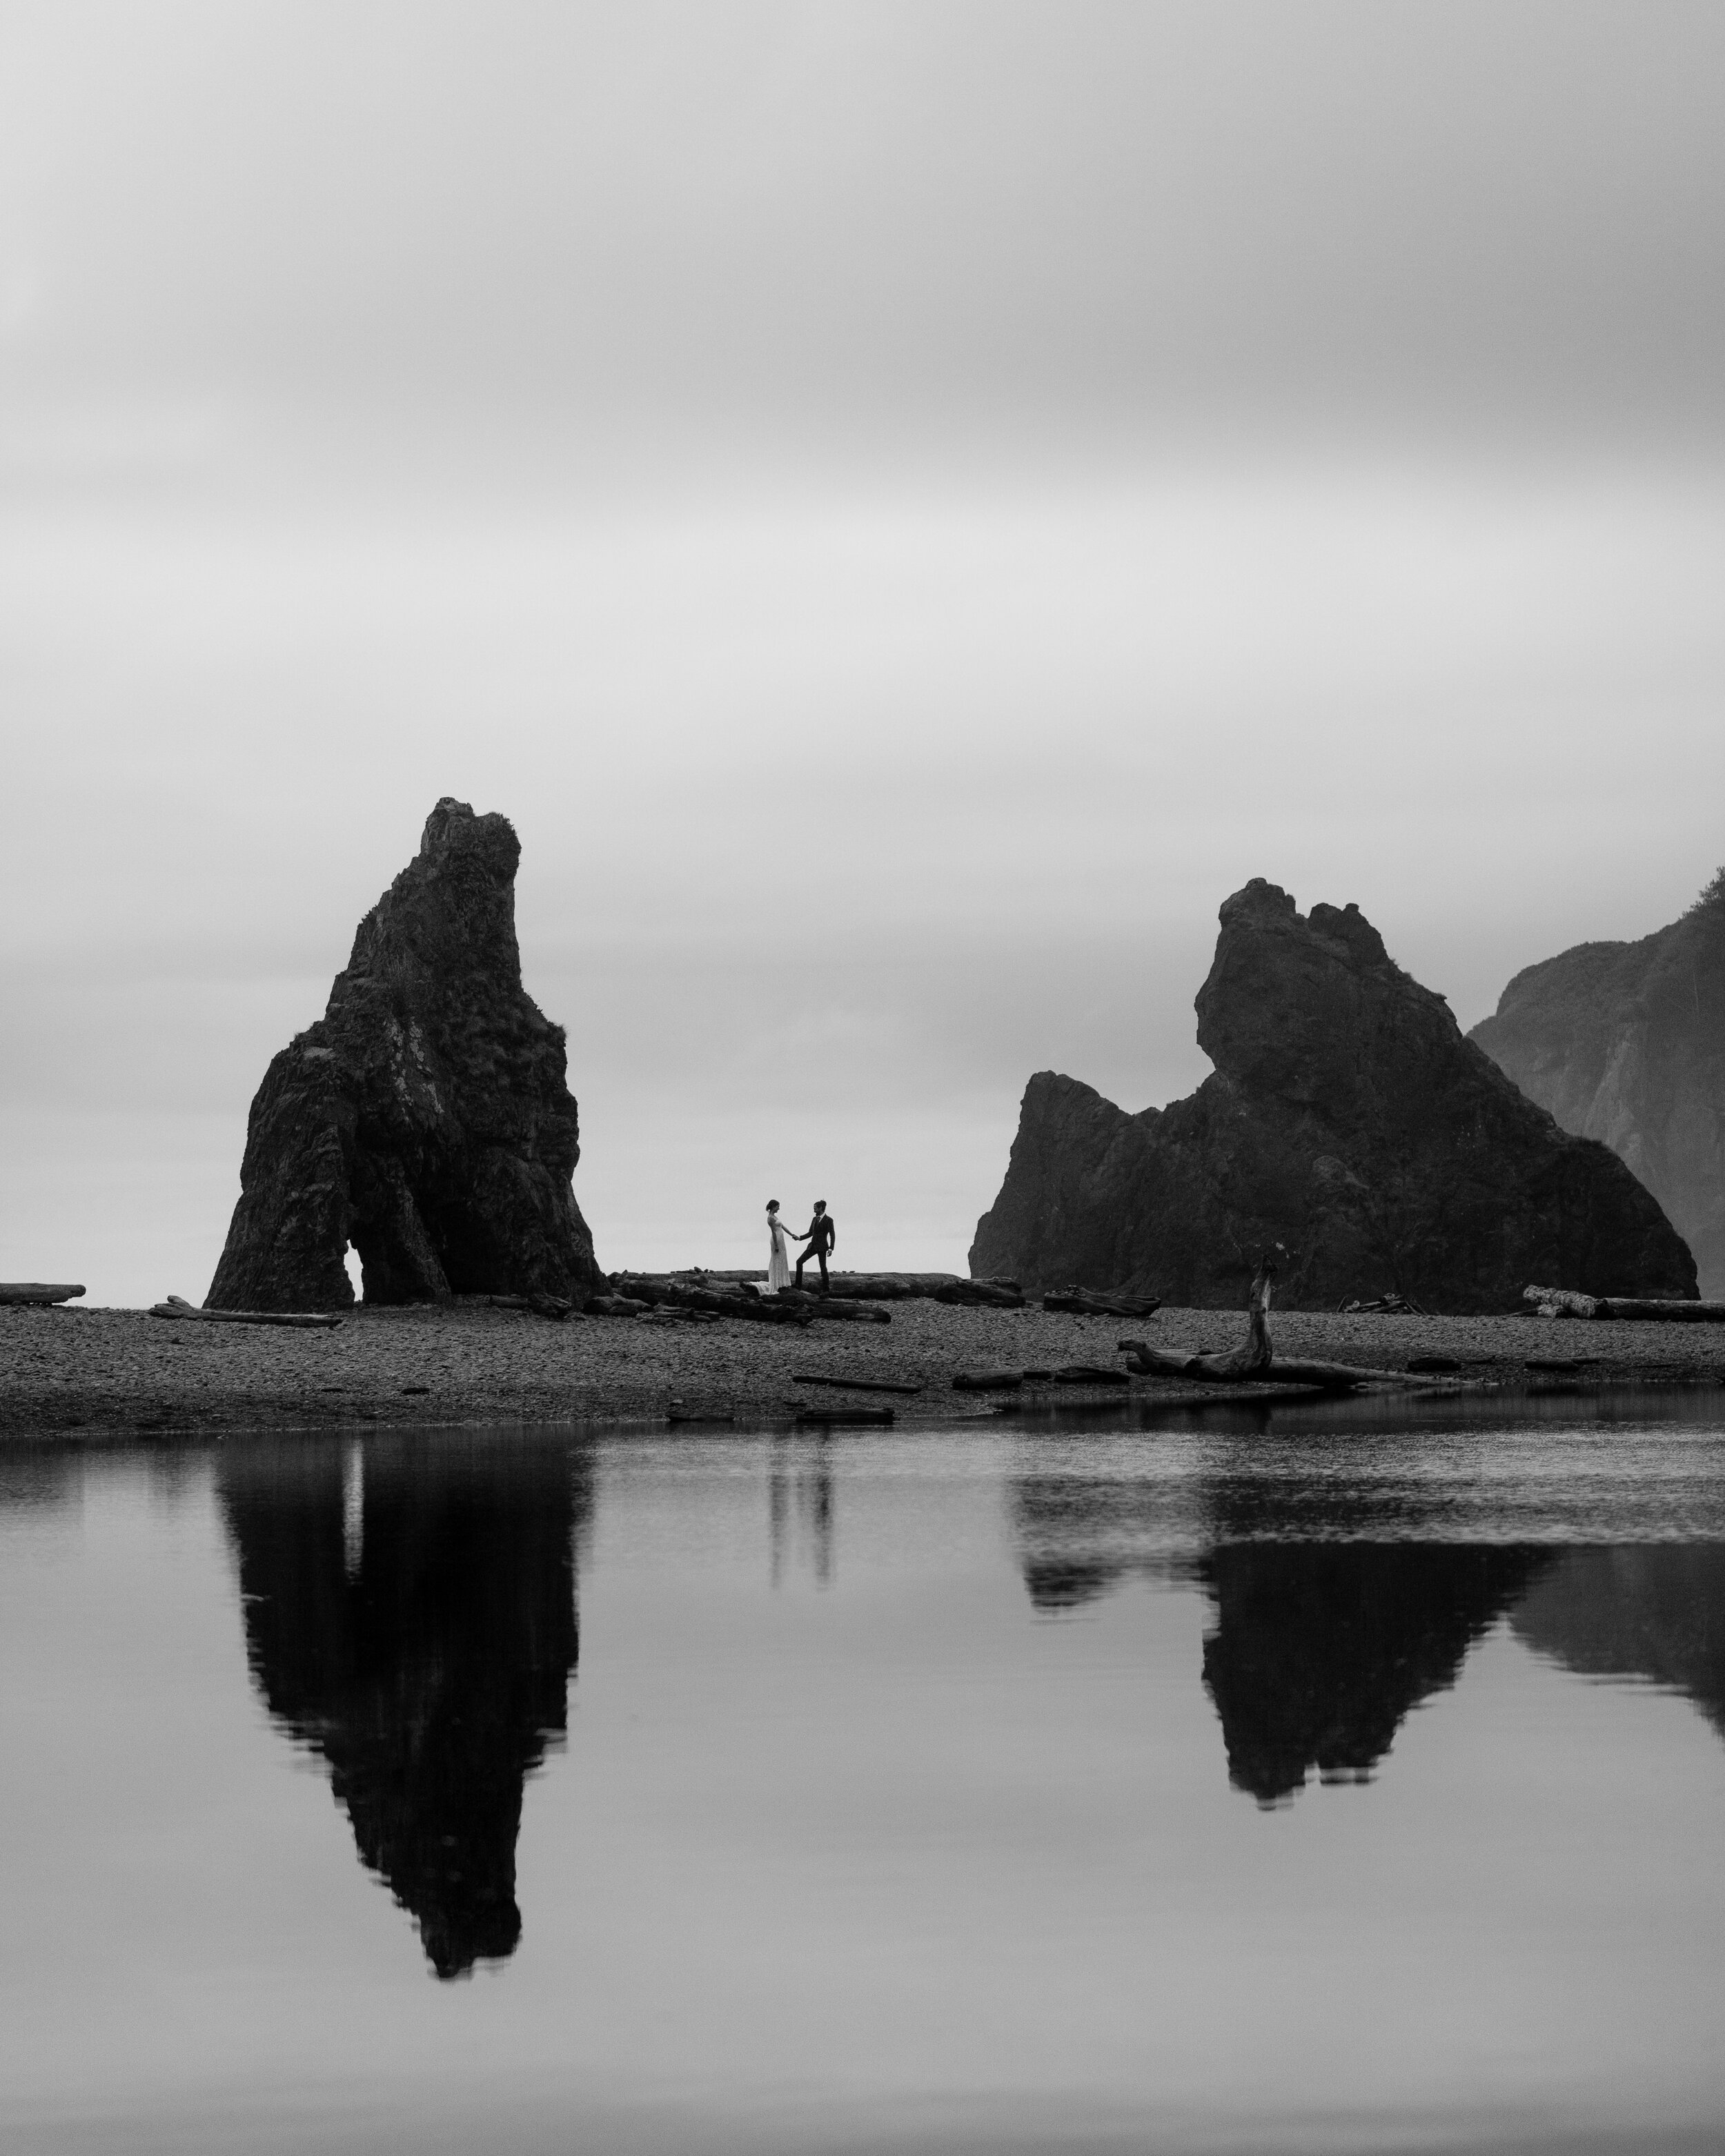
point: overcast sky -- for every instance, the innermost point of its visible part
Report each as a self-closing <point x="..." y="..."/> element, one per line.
<point x="905" y="507"/>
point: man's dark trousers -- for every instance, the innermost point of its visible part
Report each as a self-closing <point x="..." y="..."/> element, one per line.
<point x="817" y="1249"/>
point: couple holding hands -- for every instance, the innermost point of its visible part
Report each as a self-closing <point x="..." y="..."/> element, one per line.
<point x="818" y="1237"/>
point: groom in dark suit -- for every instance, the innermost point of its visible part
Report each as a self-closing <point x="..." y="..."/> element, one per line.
<point x="821" y="1237"/>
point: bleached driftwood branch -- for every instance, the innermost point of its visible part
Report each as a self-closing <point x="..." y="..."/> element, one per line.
<point x="178" y="1307"/>
<point x="1254" y="1362"/>
<point x="1570" y="1302"/>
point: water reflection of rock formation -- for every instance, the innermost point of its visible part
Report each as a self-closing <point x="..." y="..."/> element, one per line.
<point x="1321" y="1649"/>
<point x="1077" y="1535"/>
<point x="410" y="1615"/>
<point x="1654" y="1611"/>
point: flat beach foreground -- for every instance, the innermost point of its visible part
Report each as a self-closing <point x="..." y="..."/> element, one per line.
<point x="83" y="1374"/>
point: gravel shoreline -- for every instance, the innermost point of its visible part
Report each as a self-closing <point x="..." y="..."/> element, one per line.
<point x="75" y="1373"/>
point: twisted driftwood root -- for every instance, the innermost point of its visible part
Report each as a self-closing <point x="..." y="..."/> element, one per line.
<point x="1254" y="1362"/>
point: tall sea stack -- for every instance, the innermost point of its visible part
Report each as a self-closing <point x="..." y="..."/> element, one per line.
<point x="1346" y="1118"/>
<point x="424" y="1118"/>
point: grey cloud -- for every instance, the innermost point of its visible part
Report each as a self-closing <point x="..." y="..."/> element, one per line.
<point x="886" y="214"/>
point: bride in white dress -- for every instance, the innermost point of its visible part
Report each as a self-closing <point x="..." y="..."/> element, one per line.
<point x="779" y="1261"/>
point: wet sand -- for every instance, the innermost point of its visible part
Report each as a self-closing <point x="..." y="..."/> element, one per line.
<point x="82" y="1374"/>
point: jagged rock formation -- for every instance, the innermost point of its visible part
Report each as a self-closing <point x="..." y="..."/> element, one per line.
<point x="425" y="1117"/>
<point x="1346" y="1118"/>
<point x="410" y="1619"/>
<point x="1626" y="1043"/>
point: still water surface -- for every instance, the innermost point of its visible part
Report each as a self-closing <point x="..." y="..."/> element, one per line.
<point x="1309" y="1783"/>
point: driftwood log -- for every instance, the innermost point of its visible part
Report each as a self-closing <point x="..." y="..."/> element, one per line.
<point x="975" y="1294"/>
<point x="647" y="1290"/>
<point x="870" y="1287"/>
<point x="1083" y="1304"/>
<point x="788" y="1307"/>
<point x="841" y="1310"/>
<point x="1561" y="1302"/>
<point x="178" y="1307"/>
<point x="37" y="1292"/>
<point x="1144" y="1361"/>
<point x="1669" y="1313"/>
<point x="555" y="1308"/>
<point x="1069" y="1373"/>
<point x="1265" y="1394"/>
<point x="1254" y="1362"/>
<point x="854" y="1384"/>
<point x="886" y="1287"/>
<point x="1570" y="1302"/>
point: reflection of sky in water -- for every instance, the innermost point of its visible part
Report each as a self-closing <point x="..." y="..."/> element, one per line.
<point x="894" y="1806"/>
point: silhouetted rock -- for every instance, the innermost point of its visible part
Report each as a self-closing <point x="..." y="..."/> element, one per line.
<point x="410" y="1617"/>
<point x="1346" y="1118"/>
<point x="1321" y="1649"/>
<point x="1626" y="1043"/>
<point x="425" y="1117"/>
<point x="1651" y="1609"/>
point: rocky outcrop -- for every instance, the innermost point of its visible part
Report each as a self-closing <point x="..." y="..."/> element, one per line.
<point x="1346" y="1118"/>
<point x="425" y="1117"/>
<point x="1626" y="1043"/>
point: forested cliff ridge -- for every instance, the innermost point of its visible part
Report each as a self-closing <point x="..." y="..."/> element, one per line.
<point x="1626" y="1043"/>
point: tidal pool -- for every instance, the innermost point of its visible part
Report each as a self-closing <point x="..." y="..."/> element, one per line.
<point x="1320" y="1781"/>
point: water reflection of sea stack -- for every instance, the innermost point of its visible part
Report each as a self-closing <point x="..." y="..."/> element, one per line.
<point x="1320" y="1650"/>
<point x="410" y="1615"/>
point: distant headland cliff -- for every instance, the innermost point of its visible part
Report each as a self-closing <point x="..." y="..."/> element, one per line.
<point x="425" y="1117"/>
<point x="1348" y="1118"/>
<point x="1626" y="1043"/>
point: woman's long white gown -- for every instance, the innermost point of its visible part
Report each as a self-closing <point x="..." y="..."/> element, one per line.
<point x="778" y="1263"/>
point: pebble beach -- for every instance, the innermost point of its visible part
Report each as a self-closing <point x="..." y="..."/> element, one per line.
<point x="73" y="1373"/>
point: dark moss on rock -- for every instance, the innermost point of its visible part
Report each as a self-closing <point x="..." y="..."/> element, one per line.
<point x="425" y="1117"/>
